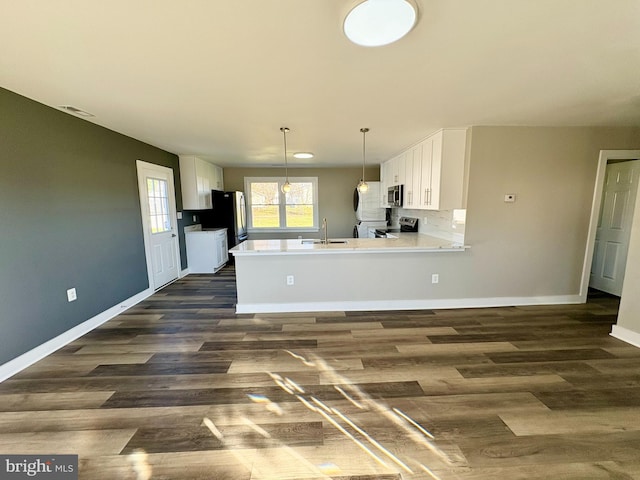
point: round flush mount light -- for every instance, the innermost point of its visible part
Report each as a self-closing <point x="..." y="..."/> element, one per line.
<point x="373" y="23"/>
<point x="303" y="155"/>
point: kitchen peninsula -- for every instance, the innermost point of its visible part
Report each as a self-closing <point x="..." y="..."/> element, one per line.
<point x="345" y="274"/>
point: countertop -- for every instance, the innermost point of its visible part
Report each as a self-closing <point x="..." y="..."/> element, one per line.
<point x="197" y="228"/>
<point x="406" y="242"/>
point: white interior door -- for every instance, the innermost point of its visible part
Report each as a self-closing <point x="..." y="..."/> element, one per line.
<point x="614" y="226"/>
<point x="159" y="219"/>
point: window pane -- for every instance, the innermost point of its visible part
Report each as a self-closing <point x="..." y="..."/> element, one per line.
<point x="301" y="193"/>
<point x="265" y="216"/>
<point x="265" y="193"/>
<point x="299" y="215"/>
<point x="157" y="194"/>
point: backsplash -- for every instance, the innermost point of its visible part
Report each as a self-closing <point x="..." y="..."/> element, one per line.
<point x="446" y="224"/>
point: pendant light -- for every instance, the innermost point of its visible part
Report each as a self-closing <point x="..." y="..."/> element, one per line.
<point x="362" y="186"/>
<point x="286" y="187"/>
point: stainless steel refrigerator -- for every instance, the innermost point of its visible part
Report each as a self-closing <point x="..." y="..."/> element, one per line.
<point x="229" y="211"/>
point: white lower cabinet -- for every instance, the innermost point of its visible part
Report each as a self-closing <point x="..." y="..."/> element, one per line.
<point x="207" y="251"/>
<point x="222" y="246"/>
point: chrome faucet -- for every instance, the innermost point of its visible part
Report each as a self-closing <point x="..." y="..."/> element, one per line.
<point x="324" y="229"/>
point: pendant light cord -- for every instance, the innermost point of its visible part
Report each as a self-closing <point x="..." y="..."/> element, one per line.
<point x="364" y="141"/>
<point x="363" y="184"/>
<point x="284" y="135"/>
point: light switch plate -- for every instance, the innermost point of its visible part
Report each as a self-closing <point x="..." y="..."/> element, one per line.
<point x="72" y="295"/>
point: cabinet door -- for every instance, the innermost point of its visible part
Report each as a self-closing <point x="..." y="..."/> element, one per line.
<point x="189" y="183"/>
<point x="222" y="248"/>
<point x="387" y="175"/>
<point x="383" y="187"/>
<point x="220" y="178"/>
<point x="436" y="169"/>
<point x="416" y="176"/>
<point x="409" y="192"/>
<point x="426" y="173"/>
<point x="401" y="165"/>
<point x="216" y="178"/>
<point x="394" y="169"/>
<point x="203" y="180"/>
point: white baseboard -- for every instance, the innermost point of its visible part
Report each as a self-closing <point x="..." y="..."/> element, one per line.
<point x="184" y="272"/>
<point x="407" y="304"/>
<point x="626" y="335"/>
<point x="29" y="358"/>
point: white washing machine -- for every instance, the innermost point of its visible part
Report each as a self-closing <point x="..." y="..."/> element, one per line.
<point x="361" y="230"/>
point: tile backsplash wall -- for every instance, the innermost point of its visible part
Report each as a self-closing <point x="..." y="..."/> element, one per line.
<point x="446" y="224"/>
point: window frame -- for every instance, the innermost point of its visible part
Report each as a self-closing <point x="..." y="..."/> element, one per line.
<point x="282" y="204"/>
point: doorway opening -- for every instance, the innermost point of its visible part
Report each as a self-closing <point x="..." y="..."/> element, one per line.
<point x="611" y="219"/>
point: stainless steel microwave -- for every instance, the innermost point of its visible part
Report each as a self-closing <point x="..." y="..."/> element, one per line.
<point x="394" y="196"/>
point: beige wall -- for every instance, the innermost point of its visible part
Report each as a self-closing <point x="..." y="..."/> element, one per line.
<point x="530" y="251"/>
<point x="536" y="245"/>
<point x="335" y="194"/>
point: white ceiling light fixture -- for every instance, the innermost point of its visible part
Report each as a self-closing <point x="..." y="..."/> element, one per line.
<point x="362" y="185"/>
<point x="286" y="186"/>
<point x="373" y="23"/>
<point x="303" y="155"/>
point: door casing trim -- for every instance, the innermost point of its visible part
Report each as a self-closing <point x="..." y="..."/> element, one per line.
<point x="605" y="156"/>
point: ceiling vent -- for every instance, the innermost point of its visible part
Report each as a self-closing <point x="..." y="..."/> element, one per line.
<point x="76" y="111"/>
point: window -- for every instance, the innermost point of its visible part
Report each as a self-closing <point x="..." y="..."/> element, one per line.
<point x="158" y="196"/>
<point x="271" y="210"/>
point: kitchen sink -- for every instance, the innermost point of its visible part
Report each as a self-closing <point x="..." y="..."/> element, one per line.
<point x="322" y="242"/>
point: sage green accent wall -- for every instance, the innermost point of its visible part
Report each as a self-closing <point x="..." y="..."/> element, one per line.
<point x="335" y="194"/>
<point x="70" y="217"/>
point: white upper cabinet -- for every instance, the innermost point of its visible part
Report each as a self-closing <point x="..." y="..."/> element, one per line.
<point x="427" y="180"/>
<point x="386" y="180"/>
<point x="217" y="178"/>
<point x="413" y="173"/>
<point x="432" y="171"/>
<point x="447" y="169"/>
<point x="197" y="178"/>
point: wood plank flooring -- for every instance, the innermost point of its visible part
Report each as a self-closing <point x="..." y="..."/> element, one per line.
<point x="180" y="387"/>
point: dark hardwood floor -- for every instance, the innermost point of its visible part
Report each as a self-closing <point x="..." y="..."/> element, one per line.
<point x="180" y="387"/>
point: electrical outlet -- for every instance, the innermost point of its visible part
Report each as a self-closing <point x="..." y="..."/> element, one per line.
<point x="435" y="278"/>
<point x="290" y="280"/>
<point x="72" y="295"/>
<point x="195" y="218"/>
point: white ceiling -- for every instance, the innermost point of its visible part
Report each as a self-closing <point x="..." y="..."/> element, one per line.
<point x="219" y="78"/>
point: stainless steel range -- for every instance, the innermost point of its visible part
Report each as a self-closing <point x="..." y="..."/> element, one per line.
<point x="407" y="224"/>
